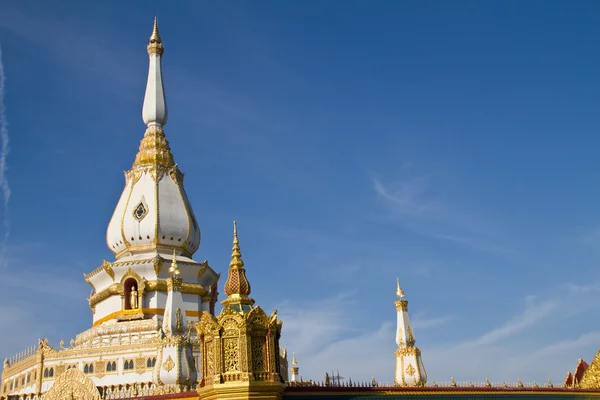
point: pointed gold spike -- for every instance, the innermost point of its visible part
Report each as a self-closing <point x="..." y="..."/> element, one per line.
<point x="155" y="37"/>
<point x="399" y="291"/>
<point x="174" y="269"/>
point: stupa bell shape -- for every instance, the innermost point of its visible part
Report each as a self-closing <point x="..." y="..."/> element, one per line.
<point x="153" y="214"/>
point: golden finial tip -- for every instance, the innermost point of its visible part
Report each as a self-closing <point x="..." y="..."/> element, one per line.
<point x="155" y="37"/>
<point x="399" y="291"/>
<point x="174" y="267"/>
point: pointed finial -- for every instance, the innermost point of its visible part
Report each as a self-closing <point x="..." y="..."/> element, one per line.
<point x="399" y="291"/>
<point x="237" y="287"/>
<point x="487" y="382"/>
<point x="294" y="362"/>
<point x="155" y="37"/>
<point x="236" y="256"/>
<point x="174" y="269"/>
<point x="519" y="383"/>
<point x="550" y="383"/>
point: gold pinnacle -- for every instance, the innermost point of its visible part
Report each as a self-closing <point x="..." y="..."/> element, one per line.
<point x="399" y="291"/>
<point x="174" y="269"/>
<point x="155" y="37"/>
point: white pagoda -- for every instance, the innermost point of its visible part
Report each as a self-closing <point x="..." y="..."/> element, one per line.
<point x="144" y="303"/>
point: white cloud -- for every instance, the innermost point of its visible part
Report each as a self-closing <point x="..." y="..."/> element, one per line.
<point x="533" y="313"/>
<point x="324" y="337"/>
<point x="420" y="322"/>
<point x="406" y="195"/>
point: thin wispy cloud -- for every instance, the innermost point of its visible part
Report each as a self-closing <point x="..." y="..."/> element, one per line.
<point x="413" y="204"/>
<point x="329" y="340"/>
<point x="533" y="313"/>
<point x="407" y="194"/>
<point x="4" y="150"/>
<point x="420" y="321"/>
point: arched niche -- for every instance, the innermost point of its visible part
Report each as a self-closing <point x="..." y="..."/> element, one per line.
<point x="133" y="290"/>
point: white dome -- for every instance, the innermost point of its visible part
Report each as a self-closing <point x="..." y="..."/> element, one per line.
<point x="153" y="213"/>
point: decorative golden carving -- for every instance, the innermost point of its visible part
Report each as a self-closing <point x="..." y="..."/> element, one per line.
<point x="157" y="265"/>
<point x="106" y="266"/>
<point x="178" y="321"/>
<point x="401" y="305"/>
<point x="410" y="370"/>
<point x="140" y="364"/>
<point x="406" y="351"/>
<point x="130" y="315"/>
<point x="152" y="246"/>
<point x="258" y="354"/>
<point x="174" y="283"/>
<point x="154" y="149"/>
<point x="169" y="364"/>
<point x="100" y="368"/>
<point x="210" y="358"/>
<point x="72" y="384"/>
<point x="591" y="376"/>
<point x="132" y="274"/>
<point x="230" y="347"/>
<point x="145" y="286"/>
<point x="239" y="346"/>
<point x="59" y="369"/>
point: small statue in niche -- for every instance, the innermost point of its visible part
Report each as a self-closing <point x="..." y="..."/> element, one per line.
<point x="179" y="321"/>
<point x="133" y="298"/>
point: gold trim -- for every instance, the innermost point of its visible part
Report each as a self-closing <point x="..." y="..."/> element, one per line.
<point x="125" y="241"/>
<point x="145" y="286"/>
<point x="450" y="391"/>
<point x="153" y="246"/>
<point x="145" y="311"/>
<point x="174" y="177"/>
<point x="401" y="305"/>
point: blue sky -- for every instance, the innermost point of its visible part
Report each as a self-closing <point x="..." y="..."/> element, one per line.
<point x="451" y="144"/>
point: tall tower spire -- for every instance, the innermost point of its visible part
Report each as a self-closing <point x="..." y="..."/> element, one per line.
<point x="138" y="223"/>
<point x="237" y="287"/>
<point x="154" y="112"/>
<point x="409" y="366"/>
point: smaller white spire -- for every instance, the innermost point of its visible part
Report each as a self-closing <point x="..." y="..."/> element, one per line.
<point x="409" y="365"/>
<point x="295" y="369"/>
<point x="154" y="111"/>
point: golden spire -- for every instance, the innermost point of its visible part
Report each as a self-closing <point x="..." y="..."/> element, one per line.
<point x="174" y="269"/>
<point x="294" y="362"/>
<point x="155" y="37"/>
<point x="155" y="44"/>
<point x="236" y="256"/>
<point x="399" y="291"/>
<point x="237" y="287"/>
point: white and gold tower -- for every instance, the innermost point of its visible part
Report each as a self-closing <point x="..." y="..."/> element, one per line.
<point x="409" y="366"/>
<point x="175" y="368"/>
<point x="152" y="219"/>
<point x="138" y="343"/>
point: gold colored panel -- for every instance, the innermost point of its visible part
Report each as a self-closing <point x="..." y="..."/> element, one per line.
<point x="231" y="350"/>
